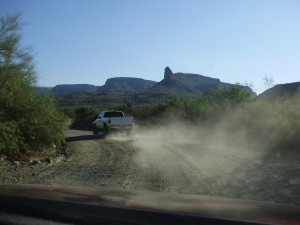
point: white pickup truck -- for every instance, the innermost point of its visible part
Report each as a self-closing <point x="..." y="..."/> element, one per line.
<point x="112" y="120"/>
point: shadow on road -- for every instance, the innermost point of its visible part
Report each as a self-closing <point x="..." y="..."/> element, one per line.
<point x="84" y="138"/>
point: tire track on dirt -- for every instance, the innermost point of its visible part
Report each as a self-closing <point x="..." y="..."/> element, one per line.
<point x="188" y="168"/>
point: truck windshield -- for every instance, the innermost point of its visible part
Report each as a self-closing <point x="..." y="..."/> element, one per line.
<point x="113" y="114"/>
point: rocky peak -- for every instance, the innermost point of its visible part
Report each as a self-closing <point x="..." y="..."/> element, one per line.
<point x="168" y="73"/>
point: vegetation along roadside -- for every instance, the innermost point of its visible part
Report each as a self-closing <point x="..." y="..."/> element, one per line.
<point x="29" y="122"/>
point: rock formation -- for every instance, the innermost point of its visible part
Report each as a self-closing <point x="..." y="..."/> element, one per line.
<point x="168" y="73"/>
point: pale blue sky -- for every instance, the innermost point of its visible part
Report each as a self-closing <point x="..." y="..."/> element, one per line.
<point x="88" y="41"/>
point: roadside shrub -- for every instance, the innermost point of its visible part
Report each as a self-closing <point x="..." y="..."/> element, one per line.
<point x="68" y="111"/>
<point x="43" y="124"/>
<point x="278" y="123"/>
<point x="10" y="137"/>
<point x="209" y="106"/>
<point x="84" y="116"/>
<point x="27" y="120"/>
<point x="218" y="101"/>
<point x="264" y="125"/>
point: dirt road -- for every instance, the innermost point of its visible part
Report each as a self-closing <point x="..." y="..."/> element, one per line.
<point x="133" y="163"/>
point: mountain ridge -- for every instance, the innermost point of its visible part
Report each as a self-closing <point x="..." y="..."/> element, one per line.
<point x="125" y="84"/>
<point x="281" y="90"/>
<point x="182" y="84"/>
<point x="188" y="83"/>
<point x="115" y="84"/>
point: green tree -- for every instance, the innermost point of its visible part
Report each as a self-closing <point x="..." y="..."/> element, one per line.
<point x="27" y="120"/>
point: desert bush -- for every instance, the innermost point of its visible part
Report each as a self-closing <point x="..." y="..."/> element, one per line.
<point x="212" y="104"/>
<point x="264" y="125"/>
<point x="10" y="136"/>
<point x="68" y="111"/>
<point x="27" y="120"/>
<point x="42" y="125"/>
<point x="277" y="122"/>
<point x="84" y="116"/>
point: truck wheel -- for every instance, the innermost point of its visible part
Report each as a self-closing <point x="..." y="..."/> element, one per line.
<point x="106" y="130"/>
<point x="95" y="130"/>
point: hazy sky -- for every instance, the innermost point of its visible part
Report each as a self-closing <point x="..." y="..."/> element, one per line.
<point x="88" y="41"/>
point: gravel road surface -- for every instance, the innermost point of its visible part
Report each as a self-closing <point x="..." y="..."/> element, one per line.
<point x="122" y="162"/>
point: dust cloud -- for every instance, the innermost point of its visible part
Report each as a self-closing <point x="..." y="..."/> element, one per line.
<point x="234" y="155"/>
<point x="209" y="149"/>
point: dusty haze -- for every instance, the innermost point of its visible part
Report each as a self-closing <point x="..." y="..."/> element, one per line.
<point x="234" y="156"/>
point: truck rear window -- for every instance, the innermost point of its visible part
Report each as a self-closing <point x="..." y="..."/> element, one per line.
<point x="113" y="114"/>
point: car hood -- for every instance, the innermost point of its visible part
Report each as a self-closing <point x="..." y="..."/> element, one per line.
<point x="137" y="207"/>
